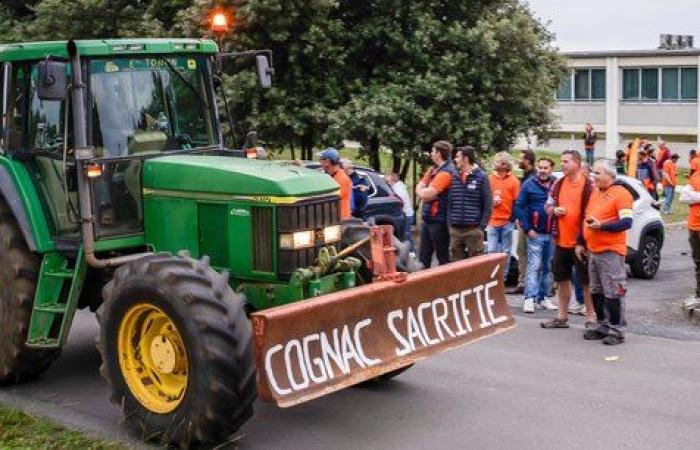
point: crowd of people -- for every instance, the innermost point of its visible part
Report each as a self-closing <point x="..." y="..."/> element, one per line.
<point x="571" y="230"/>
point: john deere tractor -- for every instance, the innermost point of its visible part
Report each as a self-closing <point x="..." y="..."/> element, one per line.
<point x="117" y="194"/>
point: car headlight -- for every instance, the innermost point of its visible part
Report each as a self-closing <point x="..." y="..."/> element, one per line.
<point x="300" y="239"/>
<point x="331" y="234"/>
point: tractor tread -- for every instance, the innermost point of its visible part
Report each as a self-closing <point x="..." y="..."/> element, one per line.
<point x="223" y="371"/>
<point x="19" y="269"/>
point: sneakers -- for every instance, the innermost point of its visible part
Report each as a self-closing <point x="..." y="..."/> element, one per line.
<point x="577" y="308"/>
<point x="547" y="304"/>
<point x="555" y="323"/>
<point x="691" y="303"/>
<point x="593" y="335"/>
<point x="611" y="339"/>
<point x="529" y="306"/>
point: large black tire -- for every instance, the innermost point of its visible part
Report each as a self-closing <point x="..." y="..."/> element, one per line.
<point x="19" y="272"/>
<point x="216" y="335"/>
<point x="648" y="258"/>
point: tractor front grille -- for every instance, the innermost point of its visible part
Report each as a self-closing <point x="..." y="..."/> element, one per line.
<point x="263" y="235"/>
<point x="314" y="214"/>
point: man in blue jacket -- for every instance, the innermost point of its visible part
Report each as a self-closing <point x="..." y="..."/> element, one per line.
<point x="537" y="225"/>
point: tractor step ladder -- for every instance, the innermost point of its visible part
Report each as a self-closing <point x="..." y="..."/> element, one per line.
<point x="56" y="299"/>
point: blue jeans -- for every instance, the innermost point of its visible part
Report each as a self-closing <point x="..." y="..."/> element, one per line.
<point x="540" y="251"/>
<point x="408" y="231"/>
<point x="500" y="240"/>
<point x="578" y="288"/>
<point x="590" y="156"/>
<point x="669" y="191"/>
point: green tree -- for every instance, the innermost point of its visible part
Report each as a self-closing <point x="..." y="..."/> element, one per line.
<point x="478" y="72"/>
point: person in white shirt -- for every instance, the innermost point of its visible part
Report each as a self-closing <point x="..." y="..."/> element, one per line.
<point x="401" y="191"/>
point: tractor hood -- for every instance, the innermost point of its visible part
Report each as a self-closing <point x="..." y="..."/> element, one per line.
<point x="233" y="175"/>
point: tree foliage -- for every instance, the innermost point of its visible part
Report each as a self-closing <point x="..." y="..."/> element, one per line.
<point x="387" y="73"/>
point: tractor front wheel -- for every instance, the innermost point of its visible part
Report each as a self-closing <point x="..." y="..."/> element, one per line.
<point x="176" y="350"/>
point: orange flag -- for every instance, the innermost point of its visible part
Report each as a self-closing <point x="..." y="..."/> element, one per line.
<point x="632" y="159"/>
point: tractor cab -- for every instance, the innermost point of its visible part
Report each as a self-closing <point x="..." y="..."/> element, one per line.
<point x="137" y="106"/>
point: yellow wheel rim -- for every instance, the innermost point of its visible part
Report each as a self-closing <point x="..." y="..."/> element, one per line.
<point x="152" y="358"/>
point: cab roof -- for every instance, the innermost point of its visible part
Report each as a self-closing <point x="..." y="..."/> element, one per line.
<point x="105" y="47"/>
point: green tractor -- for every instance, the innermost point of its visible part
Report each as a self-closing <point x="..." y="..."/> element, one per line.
<point x="117" y="194"/>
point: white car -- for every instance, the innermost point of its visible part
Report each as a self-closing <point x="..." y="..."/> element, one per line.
<point x="644" y="240"/>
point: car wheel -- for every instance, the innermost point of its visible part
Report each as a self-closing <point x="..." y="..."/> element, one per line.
<point x="648" y="258"/>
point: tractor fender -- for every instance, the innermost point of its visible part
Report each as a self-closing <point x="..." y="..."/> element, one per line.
<point x="31" y="229"/>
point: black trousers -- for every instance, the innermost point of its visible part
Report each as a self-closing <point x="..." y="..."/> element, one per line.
<point x="694" y="239"/>
<point x="434" y="237"/>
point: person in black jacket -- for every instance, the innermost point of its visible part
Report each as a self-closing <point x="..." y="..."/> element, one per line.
<point x="469" y="206"/>
<point x="589" y="139"/>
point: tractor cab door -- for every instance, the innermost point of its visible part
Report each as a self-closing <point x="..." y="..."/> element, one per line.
<point x="40" y="135"/>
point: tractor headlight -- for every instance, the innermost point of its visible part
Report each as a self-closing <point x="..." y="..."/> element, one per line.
<point x="331" y="234"/>
<point x="300" y="239"/>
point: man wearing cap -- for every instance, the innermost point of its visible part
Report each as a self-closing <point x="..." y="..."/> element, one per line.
<point x="330" y="162"/>
<point x="433" y="189"/>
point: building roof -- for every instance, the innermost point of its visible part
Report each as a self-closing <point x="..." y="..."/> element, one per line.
<point x="105" y="47"/>
<point x="632" y="53"/>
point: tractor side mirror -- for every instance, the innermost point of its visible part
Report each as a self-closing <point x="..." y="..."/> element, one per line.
<point x="264" y="71"/>
<point x="51" y="84"/>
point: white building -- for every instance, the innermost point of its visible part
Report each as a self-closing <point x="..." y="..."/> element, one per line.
<point x="650" y="94"/>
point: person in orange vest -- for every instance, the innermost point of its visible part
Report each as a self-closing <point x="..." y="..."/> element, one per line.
<point x="330" y="162"/>
<point x="691" y="195"/>
<point x="607" y="218"/>
<point x="505" y="188"/>
<point x="694" y="161"/>
<point x="669" y="181"/>
<point x="433" y="189"/>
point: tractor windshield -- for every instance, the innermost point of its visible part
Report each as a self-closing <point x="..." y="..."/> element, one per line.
<point x="150" y="105"/>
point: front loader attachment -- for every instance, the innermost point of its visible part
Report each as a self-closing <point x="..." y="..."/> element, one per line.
<point x="314" y="347"/>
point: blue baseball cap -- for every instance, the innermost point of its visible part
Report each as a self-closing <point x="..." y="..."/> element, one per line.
<point x="330" y="154"/>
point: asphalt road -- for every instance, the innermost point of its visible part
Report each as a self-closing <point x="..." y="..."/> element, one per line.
<point x="528" y="388"/>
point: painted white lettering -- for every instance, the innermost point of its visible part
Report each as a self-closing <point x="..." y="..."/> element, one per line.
<point x="349" y="349"/>
<point x="489" y="303"/>
<point x="358" y="343"/>
<point x="465" y="311"/>
<point x="421" y="320"/>
<point x="482" y="316"/>
<point x="270" y="373"/>
<point x="413" y="330"/>
<point x="405" y="348"/>
<point x="294" y="344"/>
<point x="329" y="353"/>
<point x="317" y="362"/>
<point x="455" y="312"/>
<point x="441" y="319"/>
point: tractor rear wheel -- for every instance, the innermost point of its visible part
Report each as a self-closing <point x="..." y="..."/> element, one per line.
<point x="176" y="350"/>
<point x="19" y="272"/>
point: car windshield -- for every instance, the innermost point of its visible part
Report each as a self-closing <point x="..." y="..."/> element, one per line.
<point x="150" y="105"/>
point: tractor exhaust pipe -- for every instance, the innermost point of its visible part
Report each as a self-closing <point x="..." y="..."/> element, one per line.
<point x="85" y="153"/>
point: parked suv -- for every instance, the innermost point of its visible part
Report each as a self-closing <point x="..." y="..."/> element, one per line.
<point x="383" y="205"/>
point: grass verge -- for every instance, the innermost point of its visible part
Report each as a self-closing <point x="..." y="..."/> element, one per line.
<point x="21" y="430"/>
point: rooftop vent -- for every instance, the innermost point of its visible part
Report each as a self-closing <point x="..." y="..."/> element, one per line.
<point x="675" y="41"/>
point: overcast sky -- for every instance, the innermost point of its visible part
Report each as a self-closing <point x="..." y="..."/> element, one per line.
<point x="608" y="24"/>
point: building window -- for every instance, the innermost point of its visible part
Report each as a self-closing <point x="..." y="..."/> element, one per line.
<point x="650" y="84"/>
<point x="630" y="84"/>
<point x="667" y="84"/>
<point x="582" y="85"/>
<point x="564" y="91"/>
<point x="689" y="84"/>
